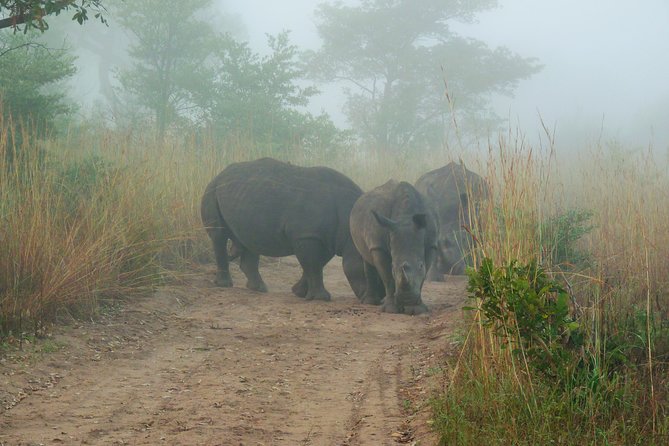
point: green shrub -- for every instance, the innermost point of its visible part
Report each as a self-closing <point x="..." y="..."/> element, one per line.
<point x="527" y="309"/>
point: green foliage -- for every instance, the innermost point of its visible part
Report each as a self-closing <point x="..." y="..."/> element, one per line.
<point x="188" y="74"/>
<point x="31" y="93"/>
<point x="560" y="234"/>
<point x="527" y="309"/>
<point x="396" y="57"/>
<point x="260" y="97"/>
<point x="31" y="14"/>
<point x="591" y="385"/>
<point x="170" y="53"/>
<point x="629" y="336"/>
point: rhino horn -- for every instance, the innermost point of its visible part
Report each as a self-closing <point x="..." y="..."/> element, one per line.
<point x="405" y="275"/>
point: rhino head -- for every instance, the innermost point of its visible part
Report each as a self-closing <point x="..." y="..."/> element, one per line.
<point x="408" y="253"/>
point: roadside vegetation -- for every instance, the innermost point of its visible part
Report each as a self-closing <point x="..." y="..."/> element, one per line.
<point x="568" y="332"/>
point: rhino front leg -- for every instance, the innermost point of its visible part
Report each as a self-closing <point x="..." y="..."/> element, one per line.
<point x="375" y="288"/>
<point x="312" y="257"/>
<point x="384" y="266"/>
<point x="249" y="265"/>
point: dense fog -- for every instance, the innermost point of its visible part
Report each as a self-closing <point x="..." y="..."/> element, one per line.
<point x="603" y="75"/>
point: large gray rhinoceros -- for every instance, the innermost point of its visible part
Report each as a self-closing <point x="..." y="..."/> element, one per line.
<point x="396" y="234"/>
<point x="271" y="208"/>
<point x="454" y="192"/>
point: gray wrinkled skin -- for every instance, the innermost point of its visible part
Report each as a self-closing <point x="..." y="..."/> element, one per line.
<point x="454" y="192"/>
<point x="271" y="208"/>
<point x="396" y="234"/>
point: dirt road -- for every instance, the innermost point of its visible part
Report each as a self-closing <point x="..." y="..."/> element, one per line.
<point x="199" y="365"/>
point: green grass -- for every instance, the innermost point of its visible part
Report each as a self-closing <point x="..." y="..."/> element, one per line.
<point x="491" y="409"/>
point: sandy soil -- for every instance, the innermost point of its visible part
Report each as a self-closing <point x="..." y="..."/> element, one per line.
<point x="200" y="365"/>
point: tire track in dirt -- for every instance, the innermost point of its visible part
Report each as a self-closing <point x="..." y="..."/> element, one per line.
<point x="195" y="364"/>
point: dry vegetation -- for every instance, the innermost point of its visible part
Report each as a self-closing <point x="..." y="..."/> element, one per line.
<point x="598" y="226"/>
<point x="100" y="214"/>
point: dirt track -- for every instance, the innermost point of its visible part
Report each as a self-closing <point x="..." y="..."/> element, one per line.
<point x="196" y="364"/>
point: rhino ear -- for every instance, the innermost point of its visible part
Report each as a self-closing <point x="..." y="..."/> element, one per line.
<point x="385" y="221"/>
<point x="420" y="220"/>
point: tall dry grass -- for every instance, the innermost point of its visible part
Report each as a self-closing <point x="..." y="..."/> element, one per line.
<point x="97" y="213"/>
<point x="617" y="388"/>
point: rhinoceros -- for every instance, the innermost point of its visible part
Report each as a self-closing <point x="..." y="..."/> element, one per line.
<point x="454" y="192"/>
<point x="271" y="208"/>
<point x="396" y="234"/>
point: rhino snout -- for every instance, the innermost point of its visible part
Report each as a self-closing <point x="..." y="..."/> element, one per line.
<point x="409" y="277"/>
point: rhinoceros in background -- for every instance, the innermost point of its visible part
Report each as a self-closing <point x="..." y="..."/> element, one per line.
<point x="454" y="192"/>
<point x="271" y="208"/>
<point x="396" y="234"/>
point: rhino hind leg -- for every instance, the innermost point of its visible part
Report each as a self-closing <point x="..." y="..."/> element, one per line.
<point x="218" y="232"/>
<point x="249" y="265"/>
<point x="301" y="287"/>
<point x="219" y="240"/>
<point x="312" y="257"/>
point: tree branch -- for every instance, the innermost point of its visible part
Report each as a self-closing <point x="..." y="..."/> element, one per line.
<point x="353" y="81"/>
<point x="20" y="46"/>
<point x="13" y="21"/>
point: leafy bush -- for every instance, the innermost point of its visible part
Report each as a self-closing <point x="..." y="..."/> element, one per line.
<point x="582" y="385"/>
<point x="526" y="308"/>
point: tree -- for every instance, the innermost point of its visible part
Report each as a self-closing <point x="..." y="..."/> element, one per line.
<point x="171" y="51"/>
<point x="396" y="57"/>
<point x="260" y="96"/>
<point x="32" y="13"/>
<point x="30" y="76"/>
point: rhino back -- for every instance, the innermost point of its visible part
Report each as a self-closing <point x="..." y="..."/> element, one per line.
<point x="444" y="188"/>
<point x="267" y="204"/>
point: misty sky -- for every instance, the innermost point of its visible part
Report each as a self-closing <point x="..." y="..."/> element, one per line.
<point x="606" y="62"/>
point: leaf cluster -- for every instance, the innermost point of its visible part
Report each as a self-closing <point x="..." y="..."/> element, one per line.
<point x="528" y="310"/>
<point x="31" y="14"/>
<point x="30" y="77"/>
